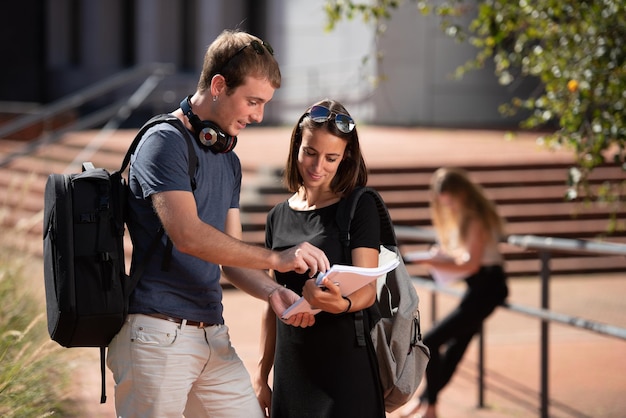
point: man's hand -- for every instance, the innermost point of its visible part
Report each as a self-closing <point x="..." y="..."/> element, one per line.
<point x="302" y="258"/>
<point x="281" y="299"/>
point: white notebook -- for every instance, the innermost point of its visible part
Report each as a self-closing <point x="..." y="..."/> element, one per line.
<point x="349" y="279"/>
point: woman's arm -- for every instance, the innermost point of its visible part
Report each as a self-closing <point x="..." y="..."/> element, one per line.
<point x="468" y="261"/>
<point x="365" y="236"/>
<point x="328" y="298"/>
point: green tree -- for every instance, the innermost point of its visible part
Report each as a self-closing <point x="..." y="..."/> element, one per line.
<point x="576" y="48"/>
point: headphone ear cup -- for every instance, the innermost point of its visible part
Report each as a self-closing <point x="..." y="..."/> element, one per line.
<point x="209" y="134"/>
<point x="224" y="144"/>
<point x="218" y="141"/>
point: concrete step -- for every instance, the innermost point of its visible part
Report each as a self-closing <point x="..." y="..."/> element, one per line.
<point x="529" y="193"/>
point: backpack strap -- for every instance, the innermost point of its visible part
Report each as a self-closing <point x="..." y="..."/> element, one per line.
<point x="345" y="213"/>
<point x="344" y="216"/>
<point x="191" y="169"/>
<point x="103" y="387"/>
<point x="175" y="122"/>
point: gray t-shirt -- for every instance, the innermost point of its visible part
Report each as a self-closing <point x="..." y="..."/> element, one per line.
<point x="189" y="288"/>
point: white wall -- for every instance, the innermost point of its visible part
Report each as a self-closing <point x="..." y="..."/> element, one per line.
<point x="316" y="64"/>
<point x="419" y="62"/>
<point x="416" y="86"/>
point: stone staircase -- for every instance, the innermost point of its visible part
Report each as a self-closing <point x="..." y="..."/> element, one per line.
<point x="529" y="197"/>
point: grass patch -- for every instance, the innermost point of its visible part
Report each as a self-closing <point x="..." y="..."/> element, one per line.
<point x="32" y="376"/>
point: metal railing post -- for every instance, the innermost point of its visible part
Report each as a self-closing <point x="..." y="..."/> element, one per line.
<point x="481" y="368"/>
<point x="545" y="304"/>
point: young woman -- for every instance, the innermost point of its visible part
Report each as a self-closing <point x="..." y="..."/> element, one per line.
<point x="320" y="371"/>
<point x="468" y="231"/>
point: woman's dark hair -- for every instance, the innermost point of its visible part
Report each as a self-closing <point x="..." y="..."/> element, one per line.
<point x="352" y="171"/>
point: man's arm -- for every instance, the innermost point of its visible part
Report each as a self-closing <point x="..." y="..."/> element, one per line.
<point x="189" y="234"/>
<point x="259" y="283"/>
<point x="267" y="347"/>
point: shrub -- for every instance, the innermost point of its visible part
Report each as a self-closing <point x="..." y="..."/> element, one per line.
<point x="32" y="381"/>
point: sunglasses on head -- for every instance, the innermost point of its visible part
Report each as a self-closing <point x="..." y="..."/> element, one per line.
<point x="342" y="121"/>
<point x="259" y="48"/>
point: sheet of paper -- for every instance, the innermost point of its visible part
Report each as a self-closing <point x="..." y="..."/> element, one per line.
<point x="418" y="256"/>
<point x="441" y="277"/>
<point x="349" y="279"/>
<point x="446" y="278"/>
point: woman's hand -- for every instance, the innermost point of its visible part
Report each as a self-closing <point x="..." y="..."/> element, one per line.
<point x="264" y="396"/>
<point x="326" y="297"/>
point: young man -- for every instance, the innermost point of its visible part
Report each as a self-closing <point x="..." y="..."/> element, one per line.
<point x="173" y="355"/>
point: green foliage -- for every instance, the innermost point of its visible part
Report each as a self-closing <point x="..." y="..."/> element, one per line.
<point x="30" y="381"/>
<point x="338" y="9"/>
<point x="576" y="48"/>
<point x="578" y="51"/>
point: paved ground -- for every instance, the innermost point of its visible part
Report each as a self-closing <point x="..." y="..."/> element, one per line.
<point x="587" y="376"/>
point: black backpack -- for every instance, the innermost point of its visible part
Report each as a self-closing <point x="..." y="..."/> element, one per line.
<point x="87" y="288"/>
<point x="394" y="318"/>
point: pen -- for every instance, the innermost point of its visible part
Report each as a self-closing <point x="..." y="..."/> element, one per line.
<point x="319" y="277"/>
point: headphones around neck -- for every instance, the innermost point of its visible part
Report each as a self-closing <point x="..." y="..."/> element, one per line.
<point x="209" y="134"/>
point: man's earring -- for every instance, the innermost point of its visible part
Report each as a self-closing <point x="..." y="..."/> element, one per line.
<point x="215" y="98"/>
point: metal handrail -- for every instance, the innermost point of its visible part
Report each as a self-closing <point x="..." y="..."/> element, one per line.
<point x="545" y="246"/>
<point x="533" y="242"/>
<point x="85" y="95"/>
<point x="113" y="115"/>
<point x="577" y="322"/>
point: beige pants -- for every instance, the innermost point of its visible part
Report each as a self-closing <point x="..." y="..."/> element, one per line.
<point x="163" y="369"/>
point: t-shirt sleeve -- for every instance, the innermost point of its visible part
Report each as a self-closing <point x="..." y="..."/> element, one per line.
<point x="161" y="162"/>
<point x="365" y="226"/>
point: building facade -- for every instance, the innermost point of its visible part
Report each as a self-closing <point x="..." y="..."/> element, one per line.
<point x="59" y="47"/>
